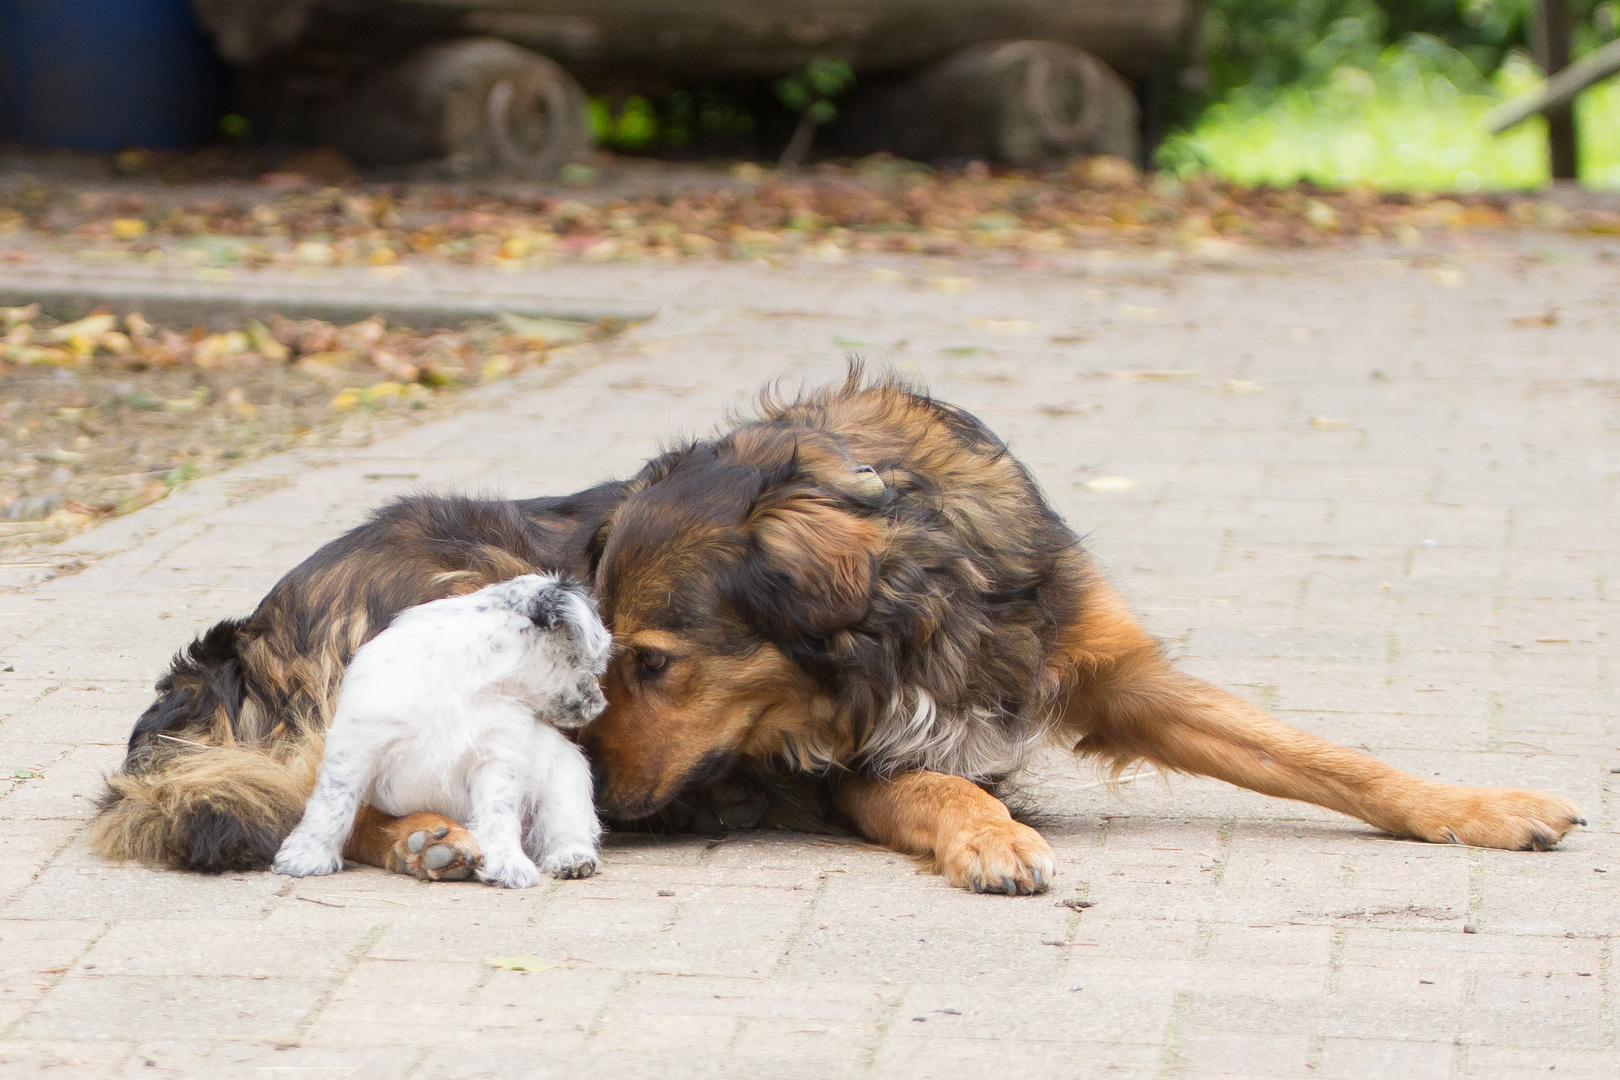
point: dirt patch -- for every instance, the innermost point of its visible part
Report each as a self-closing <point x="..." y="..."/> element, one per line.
<point x="104" y="415"/>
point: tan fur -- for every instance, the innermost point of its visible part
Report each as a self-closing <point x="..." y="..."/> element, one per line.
<point x="146" y="813"/>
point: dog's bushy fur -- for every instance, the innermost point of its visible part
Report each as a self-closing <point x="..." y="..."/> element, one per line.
<point x="853" y="607"/>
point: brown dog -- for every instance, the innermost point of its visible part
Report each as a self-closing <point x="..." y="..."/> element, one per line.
<point x="856" y="608"/>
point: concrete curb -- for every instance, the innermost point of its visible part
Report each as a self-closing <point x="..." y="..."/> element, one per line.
<point x="221" y="304"/>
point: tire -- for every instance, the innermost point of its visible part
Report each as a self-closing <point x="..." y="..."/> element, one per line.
<point x="1023" y="103"/>
<point x="478" y="106"/>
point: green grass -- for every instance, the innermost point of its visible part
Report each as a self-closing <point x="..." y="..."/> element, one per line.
<point x="1404" y="125"/>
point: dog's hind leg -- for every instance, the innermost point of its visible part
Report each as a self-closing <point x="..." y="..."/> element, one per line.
<point x="1125" y="703"/>
<point x="974" y="842"/>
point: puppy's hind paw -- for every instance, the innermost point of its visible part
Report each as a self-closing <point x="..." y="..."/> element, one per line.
<point x="572" y="863"/>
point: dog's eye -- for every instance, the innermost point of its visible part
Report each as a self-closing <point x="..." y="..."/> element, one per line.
<point x="651" y="663"/>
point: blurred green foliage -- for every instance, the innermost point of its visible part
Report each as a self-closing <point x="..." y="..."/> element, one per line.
<point x="672" y="121"/>
<point x="1271" y="43"/>
<point x="1411" y="117"/>
<point x="812" y="90"/>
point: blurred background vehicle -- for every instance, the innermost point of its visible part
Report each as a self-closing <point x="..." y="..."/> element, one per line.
<point x="1393" y="94"/>
<point x="503" y="85"/>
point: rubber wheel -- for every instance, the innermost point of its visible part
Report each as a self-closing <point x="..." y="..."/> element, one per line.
<point x="478" y="105"/>
<point x="1024" y="103"/>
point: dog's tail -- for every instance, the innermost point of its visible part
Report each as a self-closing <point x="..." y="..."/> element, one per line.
<point x="198" y="790"/>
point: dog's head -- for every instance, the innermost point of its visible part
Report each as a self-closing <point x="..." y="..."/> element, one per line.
<point x="729" y="576"/>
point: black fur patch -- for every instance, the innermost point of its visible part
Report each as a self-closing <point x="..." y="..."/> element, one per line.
<point x="203" y="678"/>
<point x="218" y="843"/>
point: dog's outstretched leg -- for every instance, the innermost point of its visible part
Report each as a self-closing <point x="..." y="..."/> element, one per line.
<point x="973" y="840"/>
<point x="1126" y="702"/>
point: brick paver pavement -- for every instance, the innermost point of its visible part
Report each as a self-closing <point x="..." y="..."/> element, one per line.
<point x="1363" y="497"/>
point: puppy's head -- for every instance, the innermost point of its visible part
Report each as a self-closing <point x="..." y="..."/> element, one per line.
<point x="563" y="613"/>
<point x="724" y="576"/>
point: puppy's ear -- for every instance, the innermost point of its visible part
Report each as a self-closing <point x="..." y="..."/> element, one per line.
<point x="548" y="609"/>
<point x="814" y="565"/>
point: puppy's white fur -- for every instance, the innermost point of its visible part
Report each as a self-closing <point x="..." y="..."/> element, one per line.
<point x="454" y="708"/>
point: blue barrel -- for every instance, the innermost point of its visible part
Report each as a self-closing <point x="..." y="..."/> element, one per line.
<point x="106" y="74"/>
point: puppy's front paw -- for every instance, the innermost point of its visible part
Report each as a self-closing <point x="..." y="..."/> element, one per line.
<point x="513" y="873"/>
<point x="1002" y="857"/>
<point x="300" y="857"/>
<point x="575" y="862"/>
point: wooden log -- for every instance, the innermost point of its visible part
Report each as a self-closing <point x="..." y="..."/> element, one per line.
<point x="1561" y="89"/>
<point x="698" y="38"/>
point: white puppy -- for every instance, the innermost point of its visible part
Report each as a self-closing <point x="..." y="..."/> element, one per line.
<point x="454" y="708"/>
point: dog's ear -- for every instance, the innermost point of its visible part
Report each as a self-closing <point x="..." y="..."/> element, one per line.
<point x="813" y="565"/>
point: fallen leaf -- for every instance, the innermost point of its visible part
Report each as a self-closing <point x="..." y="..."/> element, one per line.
<point x="1109" y="485"/>
<point x="1004" y="326"/>
<point x="544" y="331"/>
<point x="91" y="326"/>
<point x="127" y="228"/>
<point x="11" y="316"/>
<point x="1158" y="376"/>
<point x="523" y="963"/>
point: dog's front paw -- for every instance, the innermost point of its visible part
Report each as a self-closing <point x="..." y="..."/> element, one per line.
<point x="1000" y="857"/>
<point x="300" y="857"/>
<point x="574" y="862"/>
<point x="516" y="872"/>
<point x="1496" y="817"/>
<point x="434" y="848"/>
